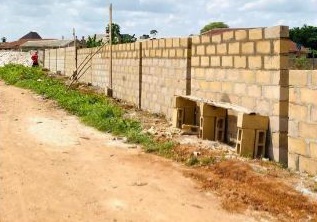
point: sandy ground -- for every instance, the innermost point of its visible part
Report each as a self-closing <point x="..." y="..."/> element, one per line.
<point x="53" y="168"/>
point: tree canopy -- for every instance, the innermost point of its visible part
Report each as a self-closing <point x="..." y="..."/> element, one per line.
<point x="93" y="42"/>
<point x="213" y="25"/>
<point x="117" y="37"/>
<point x="306" y="36"/>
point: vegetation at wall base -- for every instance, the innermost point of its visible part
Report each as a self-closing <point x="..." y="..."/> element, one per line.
<point x="94" y="110"/>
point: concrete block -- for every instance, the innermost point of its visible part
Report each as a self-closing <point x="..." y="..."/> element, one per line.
<point x="308" y="96"/>
<point x="214" y="61"/>
<point x="220" y="126"/>
<point x="216" y="38"/>
<point x="298" y="78"/>
<point x="180" y="102"/>
<point x="297" y="146"/>
<point x="313" y="114"/>
<point x="260" y="142"/>
<point x="177" y="117"/>
<point x="205" y="39"/>
<point x="255" y="62"/>
<point x="308" y="130"/>
<point x="184" y="42"/>
<point x="254" y="91"/>
<point x="204" y="61"/>
<point x="227" y="87"/>
<point x="196" y="40"/>
<point x="240" y="61"/>
<point x="281" y="46"/>
<point x="169" y="41"/>
<point x="255" y="34"/>
<point x="195" y="61"/>
<point x="245" y="142"/>
<point x="240" y="89"/>
<point x="207" y="110"/>
<point x="258" y="122"/>
<point x="176" y="42"/>
<point x="276" y="32"/>
<point x="200" y="50"/>
<point x="227" y="61"/>
<point x="189" y="115"/>
<point x="313" y="150"/>
<point x="207" y="128"/>
<point x="272" y="62"/>
<point x="263" y="47"/>
<point x="222" y="49"/>
<point x="162" y="43"/>
<point x="234" y="48"/>
<point x="314" y="78"/>
<point x="211" y="50"/>
<point x="298" y="112"/>
<point x="308" y="165"/>
<point x="293" y="161"/>
<point x="227" y="36"/>
<point x="241" y="35"/>
<point x="249" y="102"/>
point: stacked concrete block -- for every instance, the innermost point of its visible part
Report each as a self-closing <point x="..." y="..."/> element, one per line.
<point x="248" y="68"/>
<point x="302" y="135"/>
<point x="60" y="60"/>
<point x="212" y="122"/>
<point x="165" y="73"/>
<point x="184" y="112"/>
<point x="84" y="65"/>
<point x="251" y="135"/>
<point x="126" y="67"/>
<point x="100" y="67"/>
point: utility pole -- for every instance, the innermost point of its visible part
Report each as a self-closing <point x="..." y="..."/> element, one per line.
<point x="75" y="47"/>
<point x="109" y="89"/>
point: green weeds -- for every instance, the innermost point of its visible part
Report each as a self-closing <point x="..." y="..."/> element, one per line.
<point x="94" y="110"/>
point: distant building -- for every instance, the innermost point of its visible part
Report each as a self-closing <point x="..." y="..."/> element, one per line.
<point x="15" y="45"/>
<point x="49" y="44"/>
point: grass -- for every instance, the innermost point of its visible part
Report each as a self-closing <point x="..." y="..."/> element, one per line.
<point x="94" y="110"/>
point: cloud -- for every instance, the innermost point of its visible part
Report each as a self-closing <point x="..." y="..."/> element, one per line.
<point x="56" y="18"/>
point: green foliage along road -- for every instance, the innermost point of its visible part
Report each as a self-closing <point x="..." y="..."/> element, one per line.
<point x="94" y="110"/>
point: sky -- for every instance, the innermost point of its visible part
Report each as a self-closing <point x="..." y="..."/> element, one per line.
<point x="171" y="18"/>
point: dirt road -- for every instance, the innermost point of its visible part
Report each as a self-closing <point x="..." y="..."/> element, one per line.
<point x="53" y="168"/>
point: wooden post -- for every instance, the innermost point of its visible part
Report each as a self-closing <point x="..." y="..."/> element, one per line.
<point x="109" y="89"/>
<point x="75" y="47"/>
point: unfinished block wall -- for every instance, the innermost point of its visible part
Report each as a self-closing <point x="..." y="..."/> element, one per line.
<point x="165" y="73"/>
<point x="247" y="68"/>
<point x="84" y="65"/>
<point x="70" y="63"/>
<point x="100" y="67"/>
<point x="60" y="60"/>
<point x="302" y="140"/>
<point x="126" y="72"/>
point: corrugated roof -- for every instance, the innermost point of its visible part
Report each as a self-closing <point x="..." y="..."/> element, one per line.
<point x="47" y="43"/>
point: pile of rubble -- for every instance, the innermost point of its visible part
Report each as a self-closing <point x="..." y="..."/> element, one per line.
<point x="8" y="57"/>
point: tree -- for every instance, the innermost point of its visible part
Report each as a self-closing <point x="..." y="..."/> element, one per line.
<point x="153" y="32"/>
<point x="117" y="37"/>
<point x="306" y="36"/>
<point x="92" y="42"/>
<point x="213" y="25"/>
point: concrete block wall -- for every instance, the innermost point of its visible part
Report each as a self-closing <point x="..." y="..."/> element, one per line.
<point x="126" y="72"/>
<point x="60" y="60"/>
<point x="70" y="64"/>
<point x="165" y="73"/>
<point x="53" y="60"/>
<point x="84" y="65"/>
<point x="100" y="67"/>
<point x="302" y="136"/>
<point x="248" y="68"/>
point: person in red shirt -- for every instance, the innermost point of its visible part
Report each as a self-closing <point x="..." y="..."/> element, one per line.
<point x="35" y="59"/>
